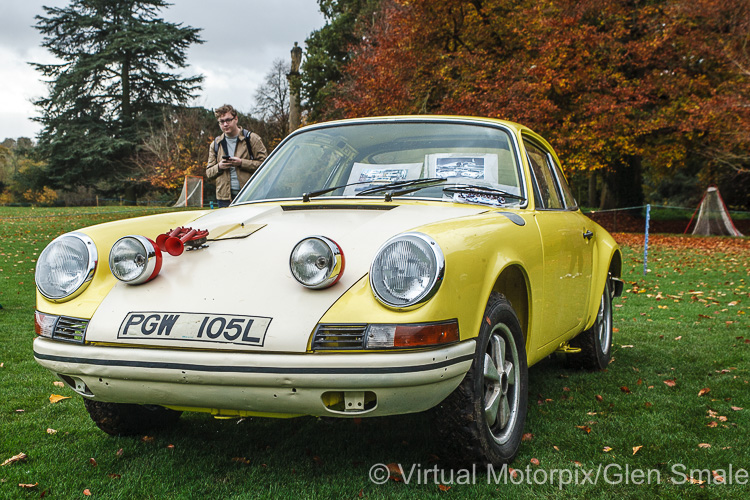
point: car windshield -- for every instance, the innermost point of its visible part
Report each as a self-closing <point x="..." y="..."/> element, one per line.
<point x="450" y="161"/>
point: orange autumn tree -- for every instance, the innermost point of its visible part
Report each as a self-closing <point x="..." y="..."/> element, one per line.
<point x="619" y="88"/>
<point x="176" y="147"/>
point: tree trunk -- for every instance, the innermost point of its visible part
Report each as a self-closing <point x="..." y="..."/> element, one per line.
<point x="592" y="189"/>
<point x="605" y="200"/>
<point x="125" y="103"/>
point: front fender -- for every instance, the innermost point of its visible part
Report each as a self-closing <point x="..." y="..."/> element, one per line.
<point x="477" y="249"/>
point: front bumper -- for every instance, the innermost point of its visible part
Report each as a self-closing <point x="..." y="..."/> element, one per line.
<point x="271" y="384"/>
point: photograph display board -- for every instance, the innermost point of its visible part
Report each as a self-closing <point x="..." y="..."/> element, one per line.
<point x="457" y="167"/>
<point x="370" y="174"/>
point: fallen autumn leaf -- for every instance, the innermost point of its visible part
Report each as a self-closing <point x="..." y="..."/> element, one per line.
<point x="394" y="472"/>
<point x="15" y="458"/>
<point x="54" y="398"/>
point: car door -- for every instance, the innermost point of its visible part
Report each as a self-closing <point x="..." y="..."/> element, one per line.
<point x="566" y="243"/>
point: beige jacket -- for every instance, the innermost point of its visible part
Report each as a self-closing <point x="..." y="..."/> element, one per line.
<point x="244" y="171"/>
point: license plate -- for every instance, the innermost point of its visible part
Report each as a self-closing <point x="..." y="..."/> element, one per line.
<point x="195" y="327"/>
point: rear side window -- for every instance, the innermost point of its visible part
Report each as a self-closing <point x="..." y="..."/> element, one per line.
<point x="570" y="201"/>
<point x="544" y="179"/>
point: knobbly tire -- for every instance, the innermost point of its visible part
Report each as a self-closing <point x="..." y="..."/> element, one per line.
<point x="482" y="421"/>
<point x="596" y="342"/>
<point x="122" y="419"/>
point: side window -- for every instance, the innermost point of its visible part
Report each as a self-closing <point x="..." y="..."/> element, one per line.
<point x="570" y="201"/>
<point x="546" y="190"/>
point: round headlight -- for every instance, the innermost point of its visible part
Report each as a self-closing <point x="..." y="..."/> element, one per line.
<point x="317" y="262"/>
<point x="135" y="259"/>
<point x="66" y="266"/>
<point x="407" y="270"/>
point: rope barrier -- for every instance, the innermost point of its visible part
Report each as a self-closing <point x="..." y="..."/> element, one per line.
<point x="655" y="206"/>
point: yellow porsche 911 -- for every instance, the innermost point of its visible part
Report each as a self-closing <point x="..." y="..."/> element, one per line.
<point x="370" y="267"/>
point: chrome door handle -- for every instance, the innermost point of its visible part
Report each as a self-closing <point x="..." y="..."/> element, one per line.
<point x="588" y="235"/>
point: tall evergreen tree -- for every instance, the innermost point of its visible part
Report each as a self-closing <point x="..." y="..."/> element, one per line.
<point x="329" y="49"/>
<point x="118" y="68"/>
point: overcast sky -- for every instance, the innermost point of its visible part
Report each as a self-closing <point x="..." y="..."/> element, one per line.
<point x="241" y="40"/>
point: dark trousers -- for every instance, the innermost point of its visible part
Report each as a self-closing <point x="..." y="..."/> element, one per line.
<point x="225" y="203"/>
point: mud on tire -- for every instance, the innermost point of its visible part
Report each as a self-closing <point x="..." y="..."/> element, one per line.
<point x="482" y="420"/>
<point x="596" y="342"/>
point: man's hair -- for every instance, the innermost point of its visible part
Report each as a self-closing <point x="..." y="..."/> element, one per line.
<point x="227" y="108"/>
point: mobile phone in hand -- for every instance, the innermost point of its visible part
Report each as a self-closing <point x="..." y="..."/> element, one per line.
<point x="225" y="157"/>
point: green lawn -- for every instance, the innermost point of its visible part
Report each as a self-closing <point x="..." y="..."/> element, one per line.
<point x="621" y="433"/>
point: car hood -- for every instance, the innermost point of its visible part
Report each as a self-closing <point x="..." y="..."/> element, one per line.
<point x="244" y="272"/>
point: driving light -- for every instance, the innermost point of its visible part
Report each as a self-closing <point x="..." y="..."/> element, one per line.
<point x="66" y="267"/>
<point x="407" y="270"/>
<point x="317" y="262"/>
<point x="135" y="259"/>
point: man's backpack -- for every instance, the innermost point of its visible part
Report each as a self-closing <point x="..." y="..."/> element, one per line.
<point x="245" y="133"/>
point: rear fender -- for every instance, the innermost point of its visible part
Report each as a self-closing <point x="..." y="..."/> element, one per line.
<point x="607" y="263"/>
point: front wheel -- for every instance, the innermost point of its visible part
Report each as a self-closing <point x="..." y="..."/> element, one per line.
<point x="596" y="342"/>
<point x="121" y="419"/>
<point x="482" y="420"/>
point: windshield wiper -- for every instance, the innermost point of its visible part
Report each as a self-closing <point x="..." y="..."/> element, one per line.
<point x="481" y="190"/>
<point x="313" y="194"/>
<point x="407" y="186"/>
<point x="403" y="187"/>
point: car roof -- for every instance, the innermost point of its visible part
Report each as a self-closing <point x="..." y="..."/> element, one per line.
<point x="516" y="127"/>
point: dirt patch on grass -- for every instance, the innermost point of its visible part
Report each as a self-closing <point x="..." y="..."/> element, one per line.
<point x="719" y="244"/>
<point x="623" y="222"/>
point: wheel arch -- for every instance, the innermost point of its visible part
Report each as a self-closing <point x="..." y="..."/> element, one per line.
<point x="513" y="283"/>
<point x="607" y="262"/>
<point x="615" y="264"/>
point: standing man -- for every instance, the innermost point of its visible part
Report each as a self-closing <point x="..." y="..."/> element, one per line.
<point x="233" y="156"/>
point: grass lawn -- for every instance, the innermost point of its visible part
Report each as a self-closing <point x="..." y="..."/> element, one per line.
<point x="669" y="417"/>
